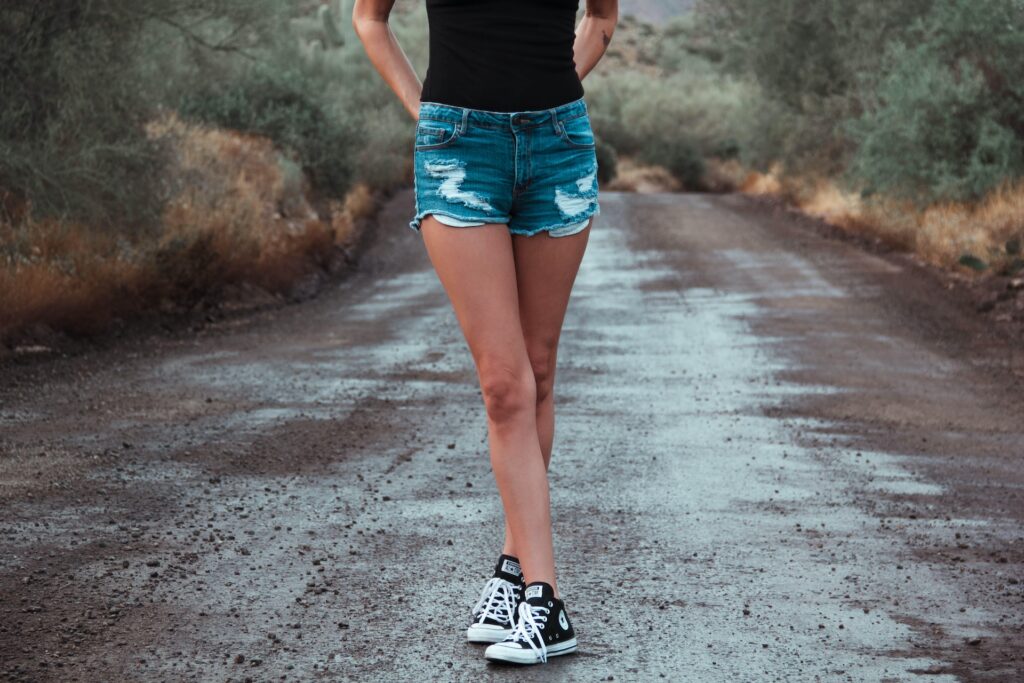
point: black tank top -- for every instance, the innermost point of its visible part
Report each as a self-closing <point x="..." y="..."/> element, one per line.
<point x="502" y="55"/>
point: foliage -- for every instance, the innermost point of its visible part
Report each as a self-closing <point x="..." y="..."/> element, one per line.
<point x="282" y="103"/>
<point x="75" y="96"/>
<point x="607" y="161"/>
<point x="70" y="141"/>
<point x="80" y="79"/>
<point x="920" y="99"/>
<point x="675" y="121"/>
<point x="946" y="122"/>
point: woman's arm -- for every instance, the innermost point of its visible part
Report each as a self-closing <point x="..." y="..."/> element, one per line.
<point x="594" y="33"/>
<point x="370" y="19"/>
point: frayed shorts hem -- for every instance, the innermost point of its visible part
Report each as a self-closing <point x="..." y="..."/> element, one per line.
<point x="565" y="229"/>
<point x="573" y="227"/>
<point x="418" y="218"/>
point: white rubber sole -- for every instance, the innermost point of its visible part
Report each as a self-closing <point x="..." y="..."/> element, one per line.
<point x="519" y="655"/>
<point x="482" y="633"/>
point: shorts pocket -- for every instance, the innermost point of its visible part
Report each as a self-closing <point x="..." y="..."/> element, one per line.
<point x="576" y="132"/>
<point x="431" y="134"/>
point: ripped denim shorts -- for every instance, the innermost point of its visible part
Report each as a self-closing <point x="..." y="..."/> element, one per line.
<point x="535" y="171"/>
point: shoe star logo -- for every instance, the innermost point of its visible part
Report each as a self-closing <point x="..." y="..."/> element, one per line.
<point x="562" y="621"/>
<point x="510" y="567"/>
<point x="534" y="592"/>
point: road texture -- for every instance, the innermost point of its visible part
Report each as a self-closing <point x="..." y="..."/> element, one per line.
<point x="778" y="457"/>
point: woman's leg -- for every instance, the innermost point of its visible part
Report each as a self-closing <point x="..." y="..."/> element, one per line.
<point x="477" y="269"/>
<point x="546" y="269"/>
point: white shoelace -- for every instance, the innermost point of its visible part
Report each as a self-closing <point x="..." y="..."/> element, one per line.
<point x="497" y="601"/>
<point x="528" y="631"/>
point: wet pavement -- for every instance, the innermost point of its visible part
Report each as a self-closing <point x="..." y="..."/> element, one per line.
<point x="777" y="458"/>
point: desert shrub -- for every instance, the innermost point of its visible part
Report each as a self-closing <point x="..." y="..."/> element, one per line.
<point x="70" y="139"/>
<point x="606" y="96"/>
<point x="80" y="78"/>
<point x="921" y="99"/>
<point x="283" y="104"/>
<point x="680" y="157"/>
<point x="812" y="60"/>
<point x="675" y="121"/>
<point x="384" y="158"/>
<point x="946" y="122"/>
<point x="607" y="161"/>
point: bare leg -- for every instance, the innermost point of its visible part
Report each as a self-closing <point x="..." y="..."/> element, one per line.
<point x="546" y="269"/>
<point x="477" y="270"/>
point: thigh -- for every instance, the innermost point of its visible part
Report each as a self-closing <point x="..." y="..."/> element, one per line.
<point x="476" y="267"/>
<point x="546" y="269"/>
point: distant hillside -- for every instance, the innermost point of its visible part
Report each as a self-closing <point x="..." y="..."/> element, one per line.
<point x="655" y="11"/>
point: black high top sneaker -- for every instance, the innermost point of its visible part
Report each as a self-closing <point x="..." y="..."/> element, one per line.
<point x="495" y="611"/>
<point x="542" y="630"/>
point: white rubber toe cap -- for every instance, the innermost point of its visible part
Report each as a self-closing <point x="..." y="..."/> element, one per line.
<point x="486" y="633"/>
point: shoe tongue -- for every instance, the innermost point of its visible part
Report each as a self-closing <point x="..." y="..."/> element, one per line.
<point x="538" y="591"/>
<point x="508" y="568"/>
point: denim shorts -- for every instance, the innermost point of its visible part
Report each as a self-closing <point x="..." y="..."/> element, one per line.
<point x="535" y="171"/>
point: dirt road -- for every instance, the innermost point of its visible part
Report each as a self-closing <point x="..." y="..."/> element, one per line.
<point x="777" y="457"/>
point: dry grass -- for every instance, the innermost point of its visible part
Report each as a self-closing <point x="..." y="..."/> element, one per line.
<point x="241" y="212"/>
<point x="633" y="177"/>
<point x="946" y="235"/>
<point x="60" y="274"/>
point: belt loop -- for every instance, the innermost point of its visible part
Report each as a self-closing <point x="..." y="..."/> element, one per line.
<point x="554" y="118"/>
<point x="465" y="120"/>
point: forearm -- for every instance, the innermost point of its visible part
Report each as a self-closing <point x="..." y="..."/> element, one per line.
<point x="593" y="36"/>
<point x="390" y="60"/>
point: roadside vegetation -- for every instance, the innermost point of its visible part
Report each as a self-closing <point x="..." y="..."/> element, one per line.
<point x="177" y="156"/>
<point x="903" y="121"/>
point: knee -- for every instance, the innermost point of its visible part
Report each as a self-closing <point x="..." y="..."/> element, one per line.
<point x="542" y="360"/>
<point x="508" y="392"/>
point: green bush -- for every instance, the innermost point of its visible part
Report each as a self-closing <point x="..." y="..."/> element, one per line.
<point x="812" y="61"/>
<point x="947" y="120"/>
<point x="71" y="140"/>
<point x="79" y="80"/>
<point x="607" y="161"/>
<point x="285" y="105"/>
<point x="921" y="99"/>
<point x="675" y="121"/>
